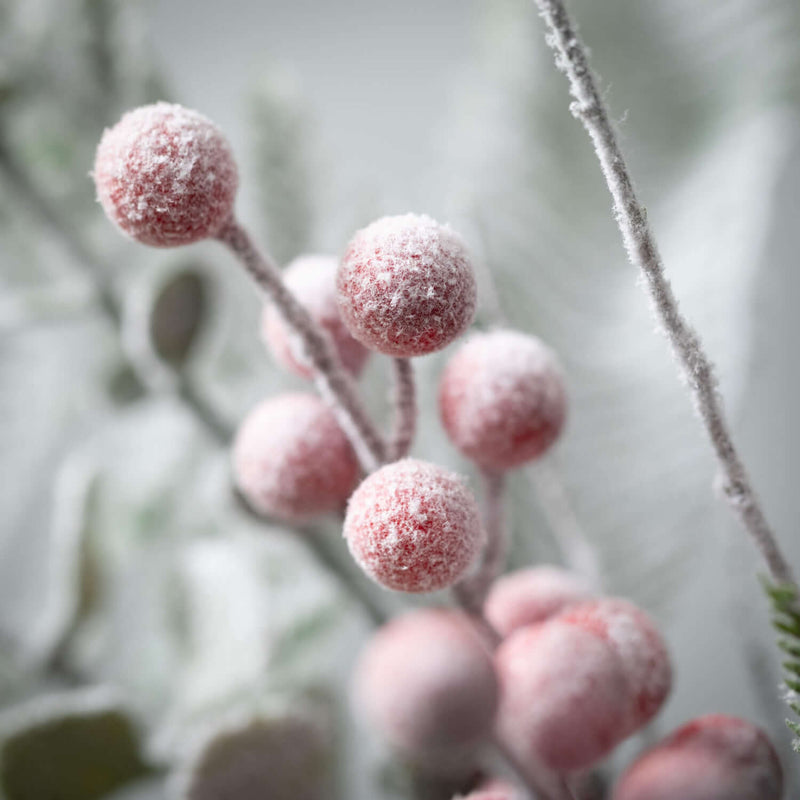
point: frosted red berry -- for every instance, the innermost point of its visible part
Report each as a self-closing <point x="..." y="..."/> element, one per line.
<point x="427" y="684"/>
<point x="495" y="789"/>
<point x="312" y="280"/>
<point x="715" y="757"/>
<point x="291" y="458"/>
<point x="635" y="638"/>
<point x="413" y="526"/>
<point x="563" y="695"/>
<point x="406" y="286"/>
<point x="502" y="399"/>
<point x="166" y="175"/>
<point x="532" y="595"/>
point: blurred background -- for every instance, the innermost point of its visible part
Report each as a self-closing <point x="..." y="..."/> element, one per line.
<point x="140" y="606"/>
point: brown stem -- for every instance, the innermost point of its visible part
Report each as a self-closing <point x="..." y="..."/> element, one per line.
<point x="640" y="244"/>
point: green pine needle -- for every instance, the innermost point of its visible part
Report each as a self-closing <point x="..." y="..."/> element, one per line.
<point x="786" y="620"/>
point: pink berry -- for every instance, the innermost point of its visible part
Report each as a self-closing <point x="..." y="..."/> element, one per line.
<point x="413" y="526"/>
<point x="640" y="647"/>
<point x="502" y="399"/>
<point x="406" y="286"/>
<point x="563" y="695"/>
<point x="426" y="682"/>
<point x="166" y="175"/>
<point x="495" y="789"/>
<point x="291" y="458"/>
<point x="715" y="757"/>
<point x="312" y="280"/>
<point x="528" y="596"/>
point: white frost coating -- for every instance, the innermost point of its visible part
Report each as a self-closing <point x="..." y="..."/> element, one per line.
<point x="413" y="526"/>
<point x="562" y="696"/>
<point x="529" y="596"/>
<point x="502" y="398"/>
<point x="406" y="286"/>
<point x="292" y="459"/>
<point x="715" y="757"/>
<point x="312" y="280"/>
<point x="427" y="684"/>
<point x="642" y="652"/>
<point x="166" y="175"/>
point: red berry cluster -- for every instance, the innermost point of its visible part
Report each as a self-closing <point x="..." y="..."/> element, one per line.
<point x="562" y="676"/>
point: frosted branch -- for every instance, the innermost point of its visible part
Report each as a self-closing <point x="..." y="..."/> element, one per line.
<point x="405" y="409"/>
<point x="335" y="385"/>
<point x="576" y="549"/>
<point x="696" y="368"/>
<point x="472" y="591"/>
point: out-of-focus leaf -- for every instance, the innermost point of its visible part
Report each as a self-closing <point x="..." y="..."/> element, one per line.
<point x="177" y="316"/>
<point x="77" y="746"/>
<point x="285" y="757"/>
<point x="283" y="165"/>
<point x="72" y="585"/>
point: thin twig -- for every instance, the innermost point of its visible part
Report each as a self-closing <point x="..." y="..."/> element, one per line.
<point x="641" y="248"/>
<point x="472" y="590"/>
<point x="405" y="410"/>
<point x="577" y="552"/>
<point x="334" y="383"/>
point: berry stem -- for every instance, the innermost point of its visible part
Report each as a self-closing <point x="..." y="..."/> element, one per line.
<point x="576" y="551"/>
<point x="472" y="590"/>
<point x="334" y="384"/>
<point x="405" y="409"/>
<point x="640" y="245"/>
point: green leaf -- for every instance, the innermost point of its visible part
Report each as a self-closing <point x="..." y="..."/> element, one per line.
<point x="177" y="316"/>
<point x="78" y="746"/>
<point x="281" y="757"/>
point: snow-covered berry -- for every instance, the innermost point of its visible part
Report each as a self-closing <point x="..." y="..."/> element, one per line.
<point x="291" y="458"/>
<point x="427" y="684"/>
<point x="563" y="695"/>
<point x="715" y="757"/>
<point x="413" y="526"/>
<point x="494" y="789"/>
<point x="312" y="280"/>
<point x="502" y="399"/>
<point x="406" y="286"/>
<point x="635" y="638"/>
<point x="166" y="175"/>
<point x="532" y="595"/>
